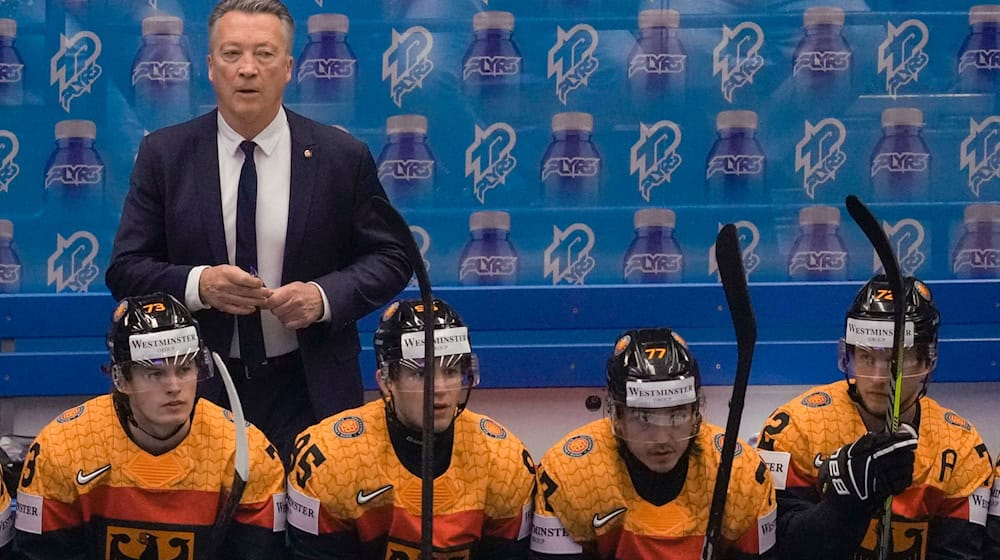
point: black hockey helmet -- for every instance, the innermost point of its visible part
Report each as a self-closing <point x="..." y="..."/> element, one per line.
<point x="874" y="302"/>
<point x="652" y="355"/>
<point x="399" y="339"/>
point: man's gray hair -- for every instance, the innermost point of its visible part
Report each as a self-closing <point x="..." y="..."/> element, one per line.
<point x="274" y="7"/>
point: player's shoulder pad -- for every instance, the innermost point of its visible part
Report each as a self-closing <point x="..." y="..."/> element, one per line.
<point x="585" y="445"/>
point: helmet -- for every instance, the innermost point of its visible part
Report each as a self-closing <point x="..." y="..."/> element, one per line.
<point x="874" y="303"/>
<point x="653" y="385"/>
<point x="399" y="339"/>
<point x="155" y="330"/>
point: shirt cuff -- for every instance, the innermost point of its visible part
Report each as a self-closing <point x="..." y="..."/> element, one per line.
<point x="326" y="304"/>
<point x="191" y="298"/>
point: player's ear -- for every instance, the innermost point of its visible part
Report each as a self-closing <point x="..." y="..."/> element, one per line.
<point x="118" y="378"/>
<point x="382" y="378"/>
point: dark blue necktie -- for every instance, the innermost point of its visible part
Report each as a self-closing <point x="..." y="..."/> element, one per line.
<point x="251" y="334"/>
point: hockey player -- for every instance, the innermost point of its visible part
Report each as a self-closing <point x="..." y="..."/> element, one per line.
<point x="143" y="472"/>
<point x="835" y="463"/>
<point x="6" y="521"/>
<point x="355" y="487"/>
<point x="638" y="484"/>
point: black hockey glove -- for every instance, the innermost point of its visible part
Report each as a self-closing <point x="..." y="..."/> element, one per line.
<point x="870" y="469"/>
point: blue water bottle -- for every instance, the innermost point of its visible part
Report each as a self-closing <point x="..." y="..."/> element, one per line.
<point x="406" y="164"/>
<point x="977" y="253"/>
<point x="823" y="60"/>
<point x="161" y="73"/>
<point x="489" y="258"/>
<point x="979" y="57"/>
<point x="571" y="166"/>
<point x="901" y="162"/>
<point x="491" y="67"/>
<point x="654" y="255"/>
<point x="818" y="253"/>
<point x="657" y="64"/>
<point x="327" y="70"/>
<point x="74" y="174"/>
<point x="11" y="65"/>
<point x="10" y="264"/>
<point x="736" y="164"/>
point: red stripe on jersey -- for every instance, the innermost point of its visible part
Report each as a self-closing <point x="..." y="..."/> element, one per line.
<point x="630" y="545"/>
<point x="258" y="514"/>
<point x="749" y="543"/>
<point x="507" y="529"/>
<point x="183" y="507"/>
<point x="798" y="480"/>
<point x="58" y="515"/>
<point x="371" y="525"/>
<point x="450" y="529"/>
<point x="921" y="502"/>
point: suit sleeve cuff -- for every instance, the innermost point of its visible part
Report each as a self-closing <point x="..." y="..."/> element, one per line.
<point x="191" y="297"/>
<point x="326" y="304"/>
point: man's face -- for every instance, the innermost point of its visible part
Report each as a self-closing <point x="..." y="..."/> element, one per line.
<point x="873" y="378"/>
<point x="658" y="436"/>
<point x="249" y="65"/>
<point x="407" y="391"/>
<point x="161" y="397"/>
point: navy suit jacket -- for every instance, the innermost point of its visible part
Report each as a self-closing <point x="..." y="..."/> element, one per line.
<point x="172" y="222"/>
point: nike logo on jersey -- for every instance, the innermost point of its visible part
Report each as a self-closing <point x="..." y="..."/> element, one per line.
<point x="83" y="479"/>
<point x="602" y="520"/>
<point x="365" y="498"/>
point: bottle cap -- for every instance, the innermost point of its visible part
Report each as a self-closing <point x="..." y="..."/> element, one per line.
<point x="489" y="219"/>
<point x="736" y="119"/>
<point x="397" y="124"/>
<point x="76" y="129"/>
<point x="162" y="25"/>
<point x="654" y="217"/>
<point x="659" y="18"/>
<point x="902" y="116"/>
<point x="813" y="215"/>
<point x="572" y="121"/>
<point x="820" y="15"/>
<point x="493" y="20"/>
<point x="984" y="13"/>
<point x="337" y="23"/>
<point x="8" y="28"/>
<point x="982" y="213"/>
<point x="6" y="229"/>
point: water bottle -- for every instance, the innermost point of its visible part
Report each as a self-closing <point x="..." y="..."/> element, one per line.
<point x="161" y="73"/>
<point x="823" y="60"/>
<point x="736" y="163"/>
<point x="327" y="70"/>
<point x="818" y="253"/>
<point x="977" y="254"/>
<point x="74" y="174"/>
<point x="657" y="64"/>
<point x="11" y="65"/>
<point x="489" y="258"/>
<point x="901" y="162"/>
<point x="653" y="256"/>
<point x="10" y="263"/>
<point x="571" y="166"/>
<point x="406" y="164"/>
<point x="491" y="67"/>
<point x="979" y="57"/>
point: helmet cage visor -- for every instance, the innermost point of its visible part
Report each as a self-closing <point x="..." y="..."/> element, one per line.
<point x="656" y="411"/>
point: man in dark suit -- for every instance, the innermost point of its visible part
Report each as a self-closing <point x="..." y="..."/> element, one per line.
<point x="259" y="220"/>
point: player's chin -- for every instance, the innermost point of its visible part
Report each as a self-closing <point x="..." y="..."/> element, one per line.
<point x="660" y="460"/>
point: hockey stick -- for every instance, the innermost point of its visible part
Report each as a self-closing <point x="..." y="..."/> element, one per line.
<point x="224" y="517"/>
<point x="880" y="242"/>
<point x="402" y="232"/>
<point x="729" y="257"/>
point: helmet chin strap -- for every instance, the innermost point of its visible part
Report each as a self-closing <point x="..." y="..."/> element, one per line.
<point x="132" y="422"/>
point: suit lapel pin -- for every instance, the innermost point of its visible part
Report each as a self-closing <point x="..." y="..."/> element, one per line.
<point x="308" y="153"/>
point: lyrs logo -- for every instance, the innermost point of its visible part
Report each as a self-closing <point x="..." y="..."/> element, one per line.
<point x="567" y="259"/>
<point x="979" y="59"/>
<point x="822" y="61"/>
<point x="407" y="61"/>
<point x="655" y="155"/>
<point x="423" y="240"/>
<point x="406" y="169"/>
<point x="571" y="167"/>
<point x="72" y="264"/>
<point x="749" y="237"/>
<point x="11" y="73"/>
<point x="818" y="155"/>
<point x="900" y="162"/>
<point x="489" y="160"/>
<point x="75" y="66"/>
<point x="657" y="64"/>
<point x="817" y="261"/>
<point x="735" y="164"/>
<point x="326" y="69"/>
<point x="737" y="57"/>
<point x="907" y="239"/>
<point x="901" y="56"/>
<point x="975" y="262"/>
<point x="571" y="59"/>
<point x="981" y="153"/>
<point x="654" y="263"/>
<point x="163" y="71"/>
<point x="79" y="174"/>
<point x="488" y="266"/>
<point x="9" y="146"/>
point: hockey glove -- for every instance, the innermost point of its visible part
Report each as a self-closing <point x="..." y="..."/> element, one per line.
<point x="870" y="469"/>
